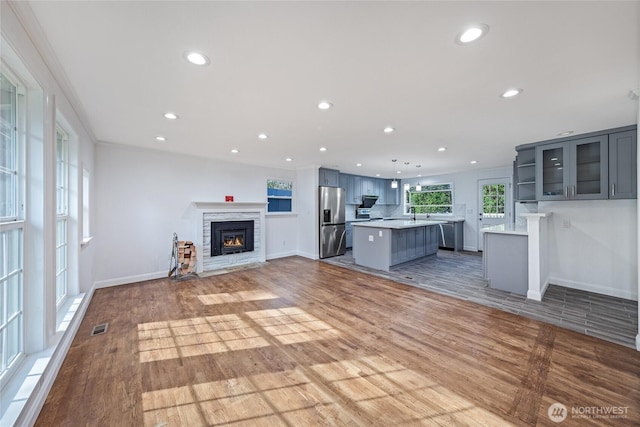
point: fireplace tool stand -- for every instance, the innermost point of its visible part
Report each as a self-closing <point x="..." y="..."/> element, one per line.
<point x="182" y="264"/>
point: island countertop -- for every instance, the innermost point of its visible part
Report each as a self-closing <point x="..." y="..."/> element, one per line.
<point x="398" y="224"/>
<point x="507" y="229"/>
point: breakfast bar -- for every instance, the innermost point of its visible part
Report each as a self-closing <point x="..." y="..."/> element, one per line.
<point x="385" y="243"/>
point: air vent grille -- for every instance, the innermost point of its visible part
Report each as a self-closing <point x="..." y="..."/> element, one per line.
<point x="100" y="329"/>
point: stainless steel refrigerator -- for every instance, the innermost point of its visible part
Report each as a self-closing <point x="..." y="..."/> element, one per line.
<point x="332" y="223"/>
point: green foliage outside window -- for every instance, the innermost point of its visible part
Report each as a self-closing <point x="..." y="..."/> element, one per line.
<point x="493" y="200"/>
<point x="432" y="199"/>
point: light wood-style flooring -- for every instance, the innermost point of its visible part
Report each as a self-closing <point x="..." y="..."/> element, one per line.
<point x="297" y="342"/>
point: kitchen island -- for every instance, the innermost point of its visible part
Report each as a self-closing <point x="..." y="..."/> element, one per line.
<point x="383" y="244"/>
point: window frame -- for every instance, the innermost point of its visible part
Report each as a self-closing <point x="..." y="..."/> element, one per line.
<point x="13" y="223"/>
<point x="62" y="215"/>
<point x="275" y="194"/>
<point x="407" y="205"/>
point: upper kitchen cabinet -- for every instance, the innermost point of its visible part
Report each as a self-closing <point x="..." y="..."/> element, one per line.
<point x="329" y="177"/>
<point x="392" y="194"/>
<point x="623" y="165"/>
<point x="573" y="170"/>
<point x="525" y="175"/>
<point x="343" y="181"/>
<point x="354" y="190"/>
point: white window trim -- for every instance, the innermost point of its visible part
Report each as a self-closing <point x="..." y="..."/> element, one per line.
<point x="405" y="206"/>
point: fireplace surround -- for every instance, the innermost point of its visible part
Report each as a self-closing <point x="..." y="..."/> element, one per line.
<point x="231" y="237"/>
<point x="202" y="214"/>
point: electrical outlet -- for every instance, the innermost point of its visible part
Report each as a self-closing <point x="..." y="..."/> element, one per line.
<point x="379" y="233"/>
<point x="566" y="223"/>
<point x="371" y="238"/>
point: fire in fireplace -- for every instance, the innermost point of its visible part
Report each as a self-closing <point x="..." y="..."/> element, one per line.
<point x="231" y="237"/>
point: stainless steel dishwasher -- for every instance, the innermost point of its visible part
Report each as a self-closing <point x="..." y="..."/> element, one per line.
<point x="451" y="240"/>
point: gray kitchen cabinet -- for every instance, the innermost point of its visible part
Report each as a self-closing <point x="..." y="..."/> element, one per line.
<point x="623" y="165"/>
<point x="349" y="234"/>
<point x="343" y="182"/>
<point x="329" y="177"/>
<point x="431" y="240"/>
<point x="525" y="175"/>
<point x="573" y="170"/>
<point x="369" y="186"/>
<point x="392" y="194"/>
<point x="381" y="191"/>
<point x="354" y="191"/>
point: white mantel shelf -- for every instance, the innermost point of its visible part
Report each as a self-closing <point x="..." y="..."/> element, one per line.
<point x="229" y="205"/>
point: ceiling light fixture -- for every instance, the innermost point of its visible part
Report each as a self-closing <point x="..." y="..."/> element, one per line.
<point x="235" y="151"/>
<point x="394" y="183"/>
<point x="566" y="133"/>
<point x="418" y="186"/>
<point x="358" y="164"/>
<point x="262" y="136"/>
<point x="324" y="105"/>
<point x="472" y="33"/>
<point x="288" y="159"/>
<point x="170" y="116"/>
<point x="161" y="138"/>
<point x="442" y="149"/>
<point x="407" y="186"/>
<point x="388" y="129"/>
<point x="510" y="93"/>
<point x="323" y="148"/>
<point x="196" y="58"/>
<point x="473" y="162"/>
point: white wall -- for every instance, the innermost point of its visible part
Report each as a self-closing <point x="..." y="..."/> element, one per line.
<point x="145" y="196"/>
<point x="308" y="222"/>
<point x="465" y="196"/>
<point x="593" y="245"/>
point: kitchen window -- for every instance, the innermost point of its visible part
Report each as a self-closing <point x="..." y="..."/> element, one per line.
<point x="431" y="199"/>
<point x="279" y="195"/>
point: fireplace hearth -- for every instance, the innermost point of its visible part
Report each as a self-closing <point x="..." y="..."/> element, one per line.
<point x="231" y="237"/>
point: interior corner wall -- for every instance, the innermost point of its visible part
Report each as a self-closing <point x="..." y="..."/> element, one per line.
<point x="307" y="208"/>
<point x="144" y="196"/>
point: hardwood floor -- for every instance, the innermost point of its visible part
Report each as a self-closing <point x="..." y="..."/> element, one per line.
<point x="297" y="342"/>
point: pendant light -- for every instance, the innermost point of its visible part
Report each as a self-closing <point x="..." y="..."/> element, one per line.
<point x="394" y="183"/>
<point x="418" y="186"/>
<point x="407" y="186"/>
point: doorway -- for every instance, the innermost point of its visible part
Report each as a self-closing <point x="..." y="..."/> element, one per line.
<point x="494" y="204"/>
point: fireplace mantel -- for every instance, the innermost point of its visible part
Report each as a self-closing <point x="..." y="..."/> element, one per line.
<point x="205" y="212"/>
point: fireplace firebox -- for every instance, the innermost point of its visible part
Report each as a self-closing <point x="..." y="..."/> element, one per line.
<point x="231" y="237"/>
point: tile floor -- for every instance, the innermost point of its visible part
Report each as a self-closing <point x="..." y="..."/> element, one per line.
<point x="459" y="274"/>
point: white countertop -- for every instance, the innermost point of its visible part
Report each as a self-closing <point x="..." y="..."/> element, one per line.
<point x="507" y="229"/>
<point x="398" y="223"/>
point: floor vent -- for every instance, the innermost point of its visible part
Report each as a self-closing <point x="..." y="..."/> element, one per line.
<point x="99" y="329"/>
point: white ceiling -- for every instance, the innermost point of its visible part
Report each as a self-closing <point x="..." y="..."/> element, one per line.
<point x="379" y="63"/>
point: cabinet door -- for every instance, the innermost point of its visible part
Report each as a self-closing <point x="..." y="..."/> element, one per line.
<point x="623" y="165"/>
<point x="349" y="234"/>
<point x="381" y="191"/>
<point x="368" y="186"/>
<point x="421" y="248"/>
<point x="552" y="177"/>
<point x="329" y="177"/>
<point x="393" y="194"/>
<point x="355" y="187"/>
<point x="343" y="182"/>
<point x="589" y="160"/>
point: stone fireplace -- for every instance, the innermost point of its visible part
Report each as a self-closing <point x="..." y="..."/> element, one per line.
<point x="239" y="224"/>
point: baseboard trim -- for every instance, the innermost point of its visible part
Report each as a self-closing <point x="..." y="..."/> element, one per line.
<point x="129" y="279"/>
<point x="281" y="255"/>
<point x="35" y="402"/>
<point x="590" y="287"/>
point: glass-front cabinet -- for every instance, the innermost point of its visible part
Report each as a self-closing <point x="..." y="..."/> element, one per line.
<point x="573" y="169"/>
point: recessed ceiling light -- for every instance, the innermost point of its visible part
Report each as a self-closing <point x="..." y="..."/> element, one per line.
<point x="196" y="58"/>
<point x="419" y="175"/>
<point x="398" y="172"/>
<point x="388" y="129"/>
<point x="473" y="162"/>
<point x="358" y="164"/>
<point x="442" y="149"/>
<point x="510" y="93"/>
<point x="377" y="174"/>
<point x="324" y="105"/>
<point x="235" y="151"/>
<point x="161" y="138"/>
<point x="323" y="148"/>
<point x="289" y="159"/>
<point x="262" y="136"/>
<point x="472" y="33"/>
<point x="569" y="132"/>
<point x="170" y="116"/>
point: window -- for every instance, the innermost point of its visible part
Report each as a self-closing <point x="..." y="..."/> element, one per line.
<point x="62" y="211"/>
<point x="431" y="199"/>
<point x="493" y="200"/>
<point x="11" y="235"/>
<point x="86" y="231"/>
<point x="279" y="195"/>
